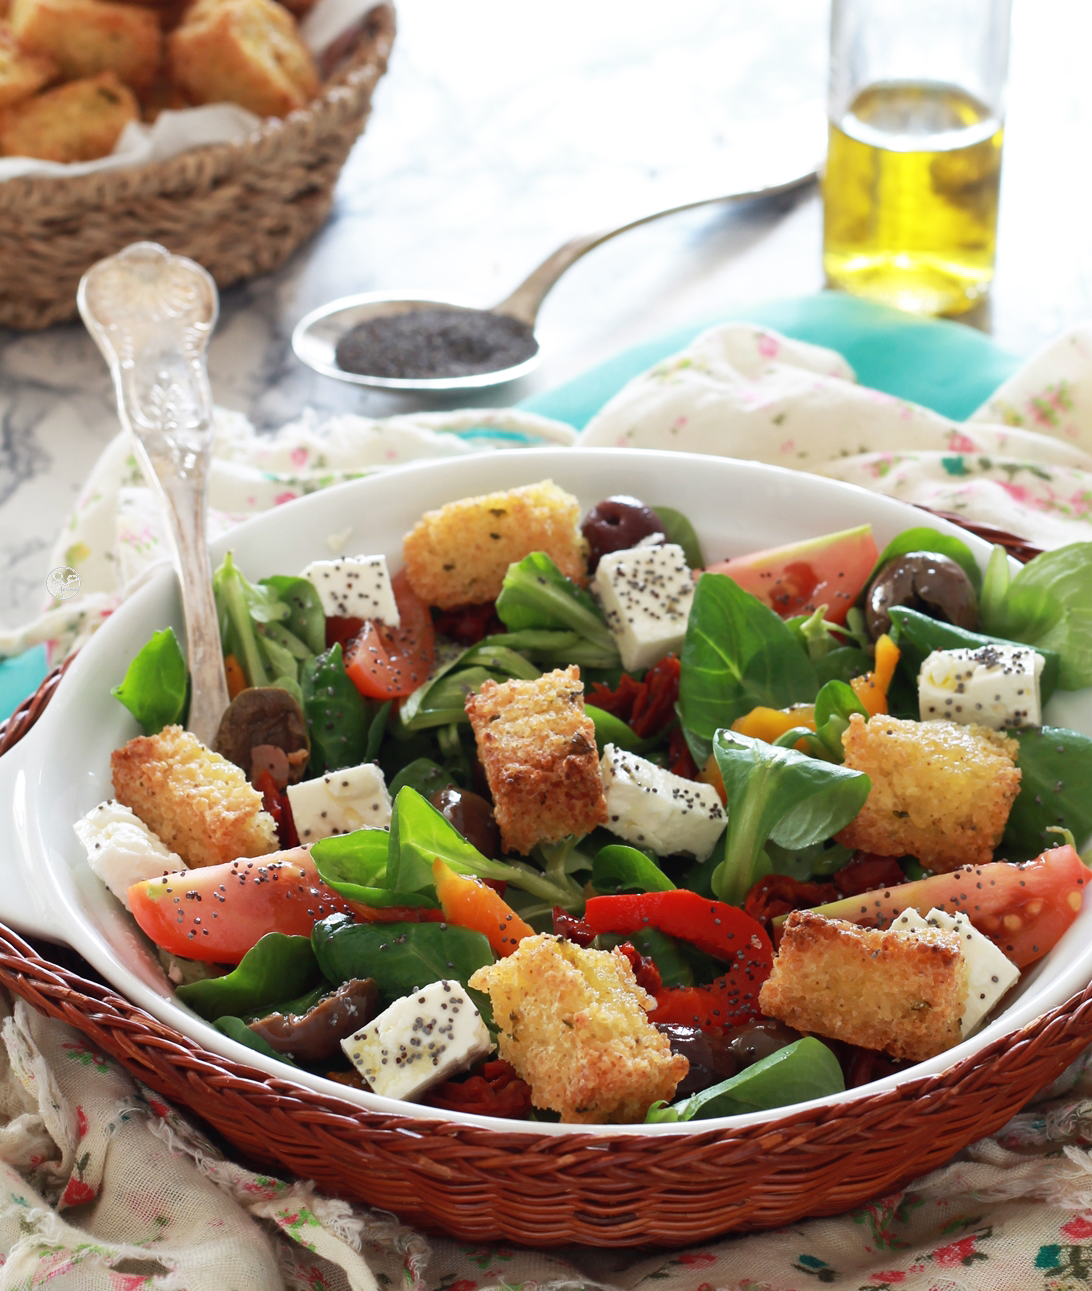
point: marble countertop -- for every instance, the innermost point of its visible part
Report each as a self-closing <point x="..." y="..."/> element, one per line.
<point x="500" y="131"/>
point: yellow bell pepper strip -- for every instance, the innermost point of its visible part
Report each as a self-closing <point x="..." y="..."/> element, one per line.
<point x="723" y="931"/>
<point x="871" y="689"/>
<point x="467" y="902"/>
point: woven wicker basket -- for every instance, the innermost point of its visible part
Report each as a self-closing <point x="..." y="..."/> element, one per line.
<point x="238" y="209"/>
<point x="612" y="1190"/>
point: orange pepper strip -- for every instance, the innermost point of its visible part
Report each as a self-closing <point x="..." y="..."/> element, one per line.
<point x="871" y="689"/>
<point x="467" y="902"/>
<point x="236" y="678"/>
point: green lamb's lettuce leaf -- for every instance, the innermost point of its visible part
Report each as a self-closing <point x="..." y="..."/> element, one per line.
<point x="355" y="865"/>
<point x="156" y="684"/>
<point x="612" y="730"/>
<point x="834" y="705"/>
<point x="1047" y="605"/>
<point x="536" y="594"/>
<point x="924" y="538"/>
<point x="736" y="654"/>
<point x="779" y="794"/>
<point x="1055" y="790"/>
<point x="236" y="1029"/>
<point x="305" y="618"/>
<point x="337" y="716"/>
<point x="795" y="1074"/>
<point x="618" y="868"/>
<point x="275" y="968"/>
<point x="240" y="606"/>
<point x="917" y="635"/>
<point x="678" y="529"/>
<point x="401" y="957"/>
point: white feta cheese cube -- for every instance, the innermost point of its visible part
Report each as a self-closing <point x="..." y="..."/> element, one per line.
<point x="354" y="587"/>
<point x="339" y="802"/>
<point x="122" y="850"/>
<point x="646" y="594"/>
<point x="420" y="1040"/>
<point x="652" y="808"/>
<point x="993" y="685"/>
<point x="989" y="972"/>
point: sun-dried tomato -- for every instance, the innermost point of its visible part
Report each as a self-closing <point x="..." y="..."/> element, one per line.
<point x="644" y="969"/>
<point x="680" y="761"/>
<point x="778" y="894"/>
<point x="491" y="1089"/>
<point x="572" y="928"/>
<point x="275" y="801"/>
<point x="468" y="624"/>
<point x="866" y="872"/>
<point x="648" y="706"/>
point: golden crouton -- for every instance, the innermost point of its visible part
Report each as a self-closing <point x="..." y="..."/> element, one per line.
<point x="940" y="791"/>
<point x="537" y="746"/>
<point x="903" y="992"/>
<point x="460" y="554"/>
<point x="75" y="122"/>
<point x="21" y="72"/>
<point x="574" y="1024"/>
<point x="85" y="37"/>
<point x="243" y="51"/>
<point x="200" y="804"/>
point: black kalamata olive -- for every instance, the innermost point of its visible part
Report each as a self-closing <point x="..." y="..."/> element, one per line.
<point x="617" y="524"/>
<point x="924" y="581"/>
<point x="756" y="1040"/>
<point x="711" y="1061"/>
<point x="472" y="816"/>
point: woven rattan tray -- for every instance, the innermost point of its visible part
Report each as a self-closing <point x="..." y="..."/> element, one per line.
<point x="607" y="1190"/>
<point x="238" y="209"/>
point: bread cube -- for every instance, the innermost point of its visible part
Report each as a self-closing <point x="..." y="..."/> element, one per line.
<point x="573" y="1023"/>
<point x="900" y="991"/>
<point x="75" y="122"/>
<point x="460" y="554"/>
<point x="940" y="791"/>
<point x="22" y="73"/>
<point x="201" y="805"/>
<point x="537" y="746"/>
<point x="86" y="37"/>
<point x="242" y="51"/>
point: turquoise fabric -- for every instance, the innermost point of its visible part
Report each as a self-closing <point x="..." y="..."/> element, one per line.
<point x="946" y="366"/>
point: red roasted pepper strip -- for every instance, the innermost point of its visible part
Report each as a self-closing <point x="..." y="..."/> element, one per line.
<point x="720" y="930"/>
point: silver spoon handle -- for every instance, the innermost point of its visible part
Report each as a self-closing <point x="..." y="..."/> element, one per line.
<point x="152" y="314"/>
<point x="525" y="301"/>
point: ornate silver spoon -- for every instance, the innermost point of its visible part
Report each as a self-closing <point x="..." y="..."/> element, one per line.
<point x="151" y="314"/>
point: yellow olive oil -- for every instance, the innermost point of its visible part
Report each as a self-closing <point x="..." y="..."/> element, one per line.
<point x="910" y="197"/>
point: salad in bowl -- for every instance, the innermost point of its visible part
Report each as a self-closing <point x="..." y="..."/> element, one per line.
<point x="617" y="789"/>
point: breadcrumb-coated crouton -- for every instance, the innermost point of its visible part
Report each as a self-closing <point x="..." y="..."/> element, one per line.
<point x="243" y="51"/>
<point x="903" y="992"/>
<point x="537" y="745"/>
<point x="200" y="804"/>
<point x="460" y="554"/>
<point x="574" y="1024"/>
<point x="75" y="122"/>
<point x="22" y="73"/>
<point x="940" y="791"/>
<point x="86" y="37"/>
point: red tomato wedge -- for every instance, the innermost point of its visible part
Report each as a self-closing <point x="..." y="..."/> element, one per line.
<point x="799" y="577"/>
<point x="1023" y="909"/>
<point x="390" y="663"/>
<point x="218" y="912"/>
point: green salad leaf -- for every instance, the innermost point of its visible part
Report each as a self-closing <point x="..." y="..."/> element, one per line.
<point x="618" y="868"/>
<point x="305" y="618"/>
<point x="276" y="968"/>
<point x="1047" y="605"/>
<point x="678" y="529"/>
<point x="1055" y="790"/>
<point x="236" y="1029"/>
<point x="795" y="1074"/>
<point x="401" y="957"/>
<point x="337" y="716"/>
<point x="779" y="794"/>
<point x="536" y="594"/>
<point x="355" y="865"/>
<point x="736" y="654"/>
<point x="925" y="538"/>
<point x="155" y="688"/>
